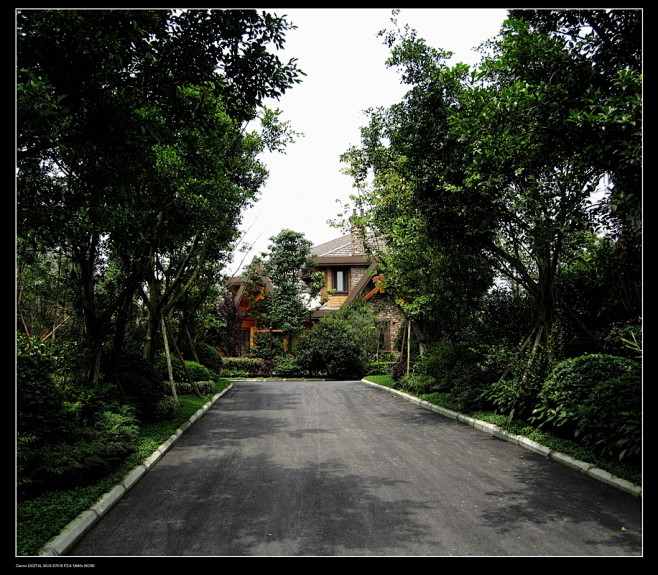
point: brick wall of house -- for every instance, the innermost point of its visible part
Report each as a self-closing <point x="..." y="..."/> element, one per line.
<point x="356" y="273"/>
<point x="389" y="312"/>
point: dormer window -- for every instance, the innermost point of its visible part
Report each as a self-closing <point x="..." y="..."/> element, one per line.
<point x="341" y="280"/>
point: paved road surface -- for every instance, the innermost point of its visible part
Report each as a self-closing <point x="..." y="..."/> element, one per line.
<point x="345" y="469"/>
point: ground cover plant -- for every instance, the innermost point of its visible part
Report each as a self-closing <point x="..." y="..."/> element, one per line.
<point x="41" y="518"/>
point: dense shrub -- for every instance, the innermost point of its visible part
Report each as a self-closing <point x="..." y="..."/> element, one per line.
<point x="69" y="434"/>
<point x="197" y="371"/>
<point x="380" y="367"/>
<point x="185" y="387"/>
<point x="209" y="357"/>
<point x="453" y="368"/>
<point x="266" y="368"/>
<point x="286" y="366"/>
<point x="516" y="392"/>
<point x="141" y="382"/>
<point x="266" y="345"/>
<point x="165" y="408"/>
<point x="598" y="399"/>
<point x="335" y="348"/>
<point x="241" y="366"/>
<point x="400" y="367"/>
<point x="418" y="383"/>
<point x="38" y="401"/>
<point x="89" y="451"/>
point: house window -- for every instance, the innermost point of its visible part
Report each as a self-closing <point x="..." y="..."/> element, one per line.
<point x="341" y="281"/>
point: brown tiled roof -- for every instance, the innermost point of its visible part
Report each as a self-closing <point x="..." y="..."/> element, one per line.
<point x="339" y="247"/>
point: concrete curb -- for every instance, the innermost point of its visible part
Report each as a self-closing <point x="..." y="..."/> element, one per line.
<point x="498" y="432"/>
<point x="72" y="533"/>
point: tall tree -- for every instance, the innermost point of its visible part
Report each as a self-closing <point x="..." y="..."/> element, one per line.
<point x="490" y="158"/>
<point x="406" y="150"/>
<point x="288" y="265"/>
<point x="131" y="138"/>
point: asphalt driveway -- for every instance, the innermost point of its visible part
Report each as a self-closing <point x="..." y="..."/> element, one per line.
<point x="345" y="469"/>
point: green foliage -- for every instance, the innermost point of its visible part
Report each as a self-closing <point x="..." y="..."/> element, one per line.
<point x="241" y="366"/>
<point x="335" y="347"/>
<point x="165" y="407"/>
<point x="418" y="383"/>
<point x="516" y="392"/>
<point x="288" y="266"/>
<point x="443" y="399"/>
<point x="158" y="168"/>
<point x="451" y="369"/>
<point x="380" y="367"/>
<point x="208" y="357"/>
<point x="43" y="516"/>
<point x="385" y="380"/>
<point x="597" y="399"/>
<point x="400" y="367"/>
<point x="266" y="345"/>
<point x="38" y="400"/>
<point x="185" y="388"/>
<point x="88" y="451"/>
<point x="197" y="371"/>
<point x="141" y="382"/>
<point x="286" y="366"/>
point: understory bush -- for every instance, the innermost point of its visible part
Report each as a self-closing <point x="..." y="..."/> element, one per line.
<point x="241" y="366"/>
<point x="418" y="383"/>
<point x="209" y="357"/>
<point x="66" y="433"/>
<point x="380" y="367"/>
<point x="333" y="347"/>
<point x="185" y="387"/>
<point x="141" y="382"/>
<point x="197" y="371"/>
<point x="286" y="366"/>
<point x="38" y="400"/>
<point x="515" y="392"/>
<point x="598" y="400"/>
<point x="453" y="368"/>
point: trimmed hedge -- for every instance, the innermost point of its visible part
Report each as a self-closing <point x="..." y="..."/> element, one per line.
<point x="241" y="366"/>
<point x="380" y="367"/>
<point x="185" y="387"/>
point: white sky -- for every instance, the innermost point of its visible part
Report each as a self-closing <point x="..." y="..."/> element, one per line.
<point x="344" y="62"/>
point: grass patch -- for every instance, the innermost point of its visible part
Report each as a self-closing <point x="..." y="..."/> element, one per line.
<point x="385" y="380"/>
<point x="44" y="517"/>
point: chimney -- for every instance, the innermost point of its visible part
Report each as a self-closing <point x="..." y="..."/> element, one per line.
<point x="358" y="247"/>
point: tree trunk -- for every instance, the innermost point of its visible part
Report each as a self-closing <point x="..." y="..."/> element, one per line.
<point x="195" y="387"/>
<point x="170" y="370"/>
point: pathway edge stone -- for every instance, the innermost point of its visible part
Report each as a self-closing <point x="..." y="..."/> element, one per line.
<point x="498" y="432"/>
<point x="72" y="533"/>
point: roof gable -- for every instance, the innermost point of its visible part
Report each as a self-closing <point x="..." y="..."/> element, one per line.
<point x="338" y="247"/>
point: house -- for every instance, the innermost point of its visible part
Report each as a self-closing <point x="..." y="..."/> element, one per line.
<point x="243" y="300"/>
<point x="348" y="274"/>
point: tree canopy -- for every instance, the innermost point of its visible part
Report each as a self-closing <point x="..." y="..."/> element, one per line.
<point x="512" y="166"/>
<point x="135" y="152"/>
<point x="288" y="265"/>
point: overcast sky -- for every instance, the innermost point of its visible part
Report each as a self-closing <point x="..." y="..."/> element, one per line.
<point x="344" y="60"/>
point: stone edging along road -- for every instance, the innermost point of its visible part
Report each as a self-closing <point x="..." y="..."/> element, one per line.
<point x="498" y="432"/>
<point x="78" y="527"/>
